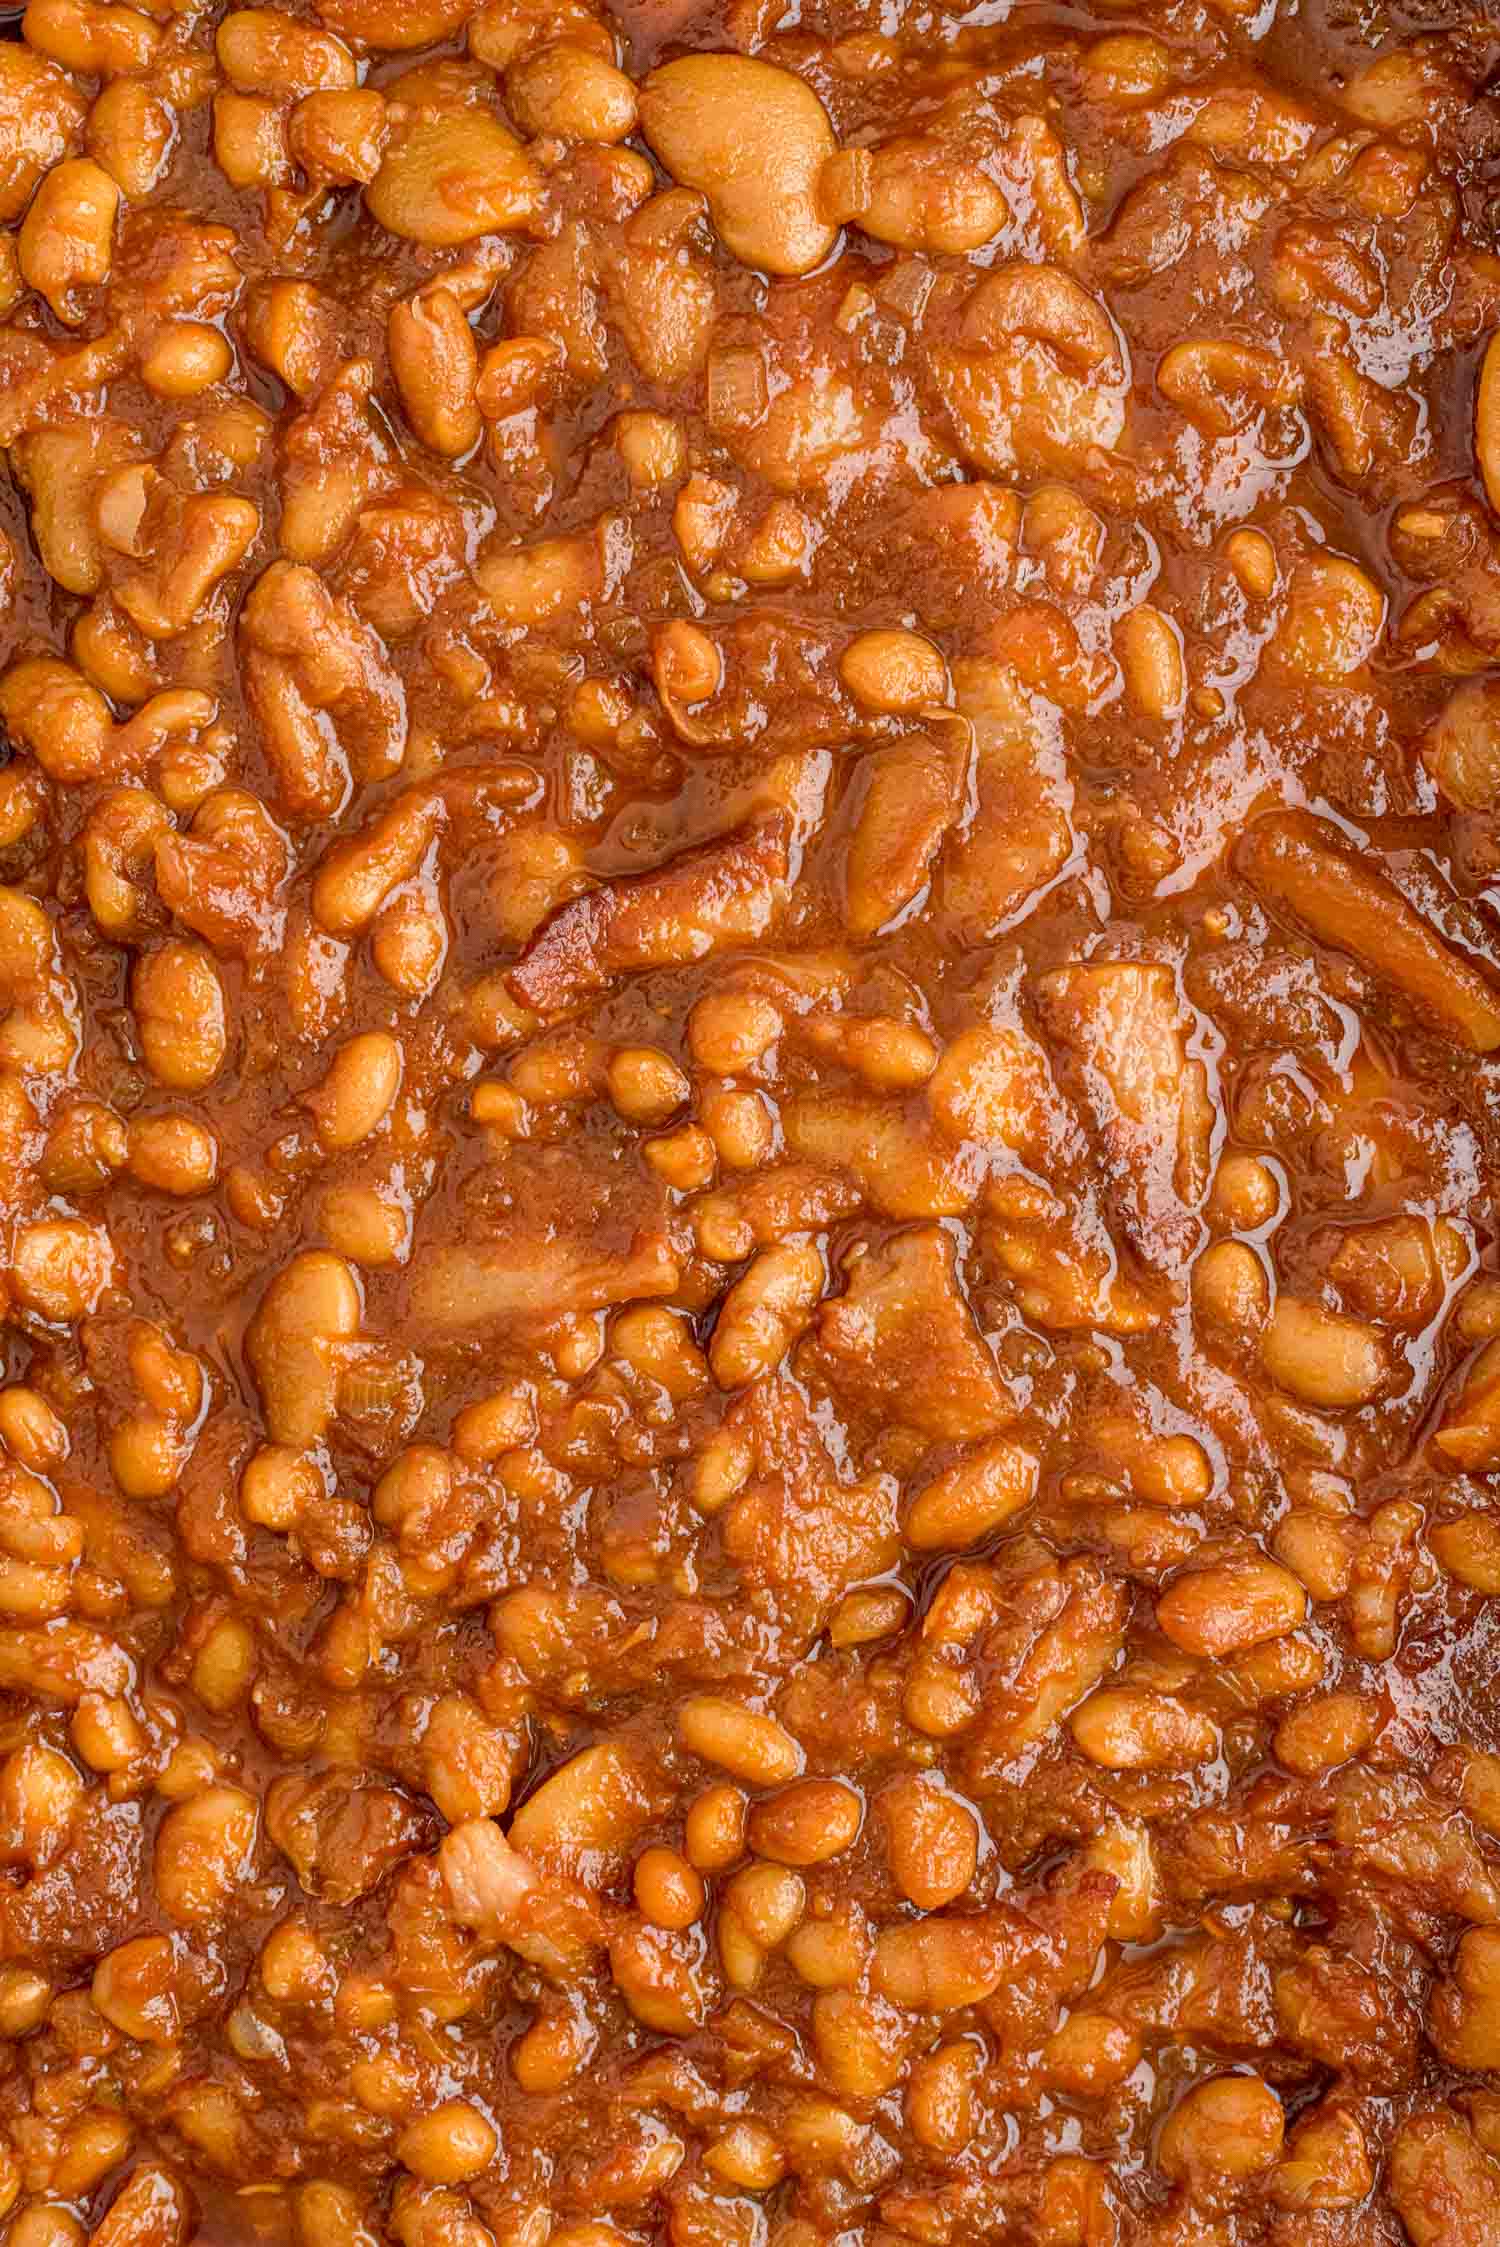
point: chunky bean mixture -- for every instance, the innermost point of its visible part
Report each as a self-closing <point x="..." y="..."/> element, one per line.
<point x="749" y="1111"/>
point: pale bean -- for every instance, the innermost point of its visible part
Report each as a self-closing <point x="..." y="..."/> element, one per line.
<point x="572" y="92"/>
<point x="133" y="1987"/>
<point x="91" y="36"/>
<point x="1127" y="1730"/>
<point x="730" y="1031"/>
<point x="1221" y="385"/>
<point x="1245" y="1193"/>
<point x="594" y="1804"/>
<point x="264" y="50"/>
<point x="1252" y="557"/>
<point x="185" y="359"/>
<point x="1334" y="616"/>
<point x="752" y="138"/>
<point x="173" y="1154"/>
<point x="204" y="1850"/>
<point x="447" y="177"/>
<point x="807" y="1824"/>
<point x="747" y="2157"/>
<point x="131" y="133"/>
<point x="359" y="1090"/>
<point x="940" y="2097"/>
<point x="435" y="362"/>
<point x="1150" y="652"/>
<point x="764" y="1313"/>
<point x="449" y="2146"/>
<point x="1229" y="1605"/>
<point x="645" y="1084"/>
<point x="752" y="1747"/>
<point x="894" y="671"/>
<point x="714" y="1830"/>
<point x="180" y="1015"/>
<point x="295" y="1345"/>
<point x="652" y="447"/>
<point x="61" y="1267"/>
<point x="1127" y="67"/>
<point x="932" y="1842"/>
<point x="762" y="1904"/>
<point x="1229" y="2128"/>
<point x="971" y="1499"/>
<point x="1326" y="1731"/>
<point x="40" y="1795"/>
<point x="669" y="1890"/>
<point x="1231" y="1294"/>
<point x="1321" y="1356"/>
<point x="150" y="2207"/>
<point x="67" y="236"/>
<point x="340" y="132"/>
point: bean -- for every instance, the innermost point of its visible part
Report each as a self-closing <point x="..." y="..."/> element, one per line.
<point x="652" y="447"/>
<point x="714" y="1832"/>
<point x="759" y="1907"/>
<point x="294" y="1345"/>
<point x="753" y="139"/>
<point x="1231" y="1294"/>
<point x="179" y="1010"/>
<point x="1226" y="1606"/>
<point x="971" y="1499"/>
<point x="1127" y="67"/>
<point x="173" y="1154"/>
<point x="449" y="2146"/>
<point x="40" y="1793"/>
<point x="1090" y="2053"/>
<point x="61" y="1268"/>
<point x="571" y="91"/>
<point x="1324" y="1732"/>
<point x="729" y="1031"/>
<point x="1126" y="1730"/>
<point x="1150" y="652"/>
<point x="596" y="1802"/>
<point x="932" y="1842"/>
<point x="264" y="50"/>
<point x="764" y="1313"/>
<point x="747" y="2157"/>
<point x="1229" y="2128"/>
<point x="435" y="361"/>
<point x="359" y="1090"/>
<point x="86" y="36"/>
<point x="134" y="1988"/>
<point x="892" y="672"/>
<point x="149" y="2207"/>
<point x="940" y="2099"/>
<point x="807" y="1823"/>
<point x="379" y="23"/>
<point x="447" y="178"/>
<point x="1252" y="557"/>
<point x="131" y="132"/>
<point x="1220" y="385"/>
<point x="187" y="358"/>
<point x="67" y="236"/>
<point x="1245" y="1193"/>
<point x="204" y="1850"/>
<point x="914" y="193"/>
<point x="1321" y="1356"/>
<point x="751" y="1747"/>
<point x="669" y="1890"/>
